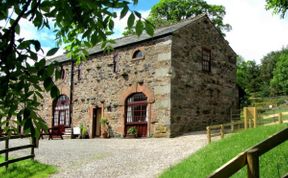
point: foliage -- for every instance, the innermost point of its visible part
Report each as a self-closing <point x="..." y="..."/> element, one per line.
<point x="278" y="6"/>
<point x="167" y="12"/>
<point x="132" y="131"/>
<point x="214" y="155"/>
<point x="77" y="24"/>
<point x="27" y="168"/>
<point x="247" y="79"/>
<point x="83" y="131"/>
<point x="267" y="67"/>
<point x="279" y="83"/>
<point x="104" y="121"/>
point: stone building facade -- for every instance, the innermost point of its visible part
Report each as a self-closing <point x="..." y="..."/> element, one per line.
<point x="181" y="79"/>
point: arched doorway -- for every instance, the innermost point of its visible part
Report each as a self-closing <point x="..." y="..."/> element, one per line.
<point x="136" y="113"/>
<point x="61" y="111"/>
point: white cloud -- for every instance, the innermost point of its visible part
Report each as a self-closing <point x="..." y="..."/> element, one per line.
<point x="255" y="31"/>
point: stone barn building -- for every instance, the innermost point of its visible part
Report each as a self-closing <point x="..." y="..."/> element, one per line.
<point x="180" y="80"/>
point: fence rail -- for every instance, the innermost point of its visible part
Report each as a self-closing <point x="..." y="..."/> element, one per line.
<point x="10" y="149"/>
<point x="250" y="157"/>
<point x="219" y="130"/>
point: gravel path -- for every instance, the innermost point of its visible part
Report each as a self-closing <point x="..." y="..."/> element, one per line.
<point x="116" y="157"/>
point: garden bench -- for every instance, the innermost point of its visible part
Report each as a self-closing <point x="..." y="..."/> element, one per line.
<point x="56" y="131"/>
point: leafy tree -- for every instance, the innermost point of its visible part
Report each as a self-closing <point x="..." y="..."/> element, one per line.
<point x="78" y="24"/>
<point x="279" y="83"/>
<point x="167" y="12"/>
<point x="268" y="65"/>
<point x="278" y="6"/>
<point x="248" y="76"/>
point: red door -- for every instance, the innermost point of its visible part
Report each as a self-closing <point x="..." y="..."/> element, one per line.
<point x="136" y="113"/>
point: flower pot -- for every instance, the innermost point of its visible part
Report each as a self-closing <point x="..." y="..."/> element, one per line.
<point x="131" y="136"/>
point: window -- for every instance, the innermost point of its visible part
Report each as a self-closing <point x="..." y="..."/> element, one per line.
<point x="136" y="107"/>
<point x="79" y="72"/>
<point x="206" y="60"/>
<point x="61" y="115"/>
<point x="62" y="72"/>
<point x="116" y="63"/>
<point x="138" y="54"/>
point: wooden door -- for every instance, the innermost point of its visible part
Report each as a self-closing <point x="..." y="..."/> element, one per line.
<point x="96" y="127"/>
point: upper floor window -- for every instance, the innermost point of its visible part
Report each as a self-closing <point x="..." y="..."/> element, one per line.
<point x="79" y="72"/>
<point x="206" y="60"/>
<point x="63" y="73"/>
<point x="116" y="63"/>
<point x="138" y="54"/>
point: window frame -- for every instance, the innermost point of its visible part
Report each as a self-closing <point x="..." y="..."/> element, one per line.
<point x="134" y="58"/>
<point x="116" y="68"/>
<point x="206" y="59"/>
<point x="137" y="109"/>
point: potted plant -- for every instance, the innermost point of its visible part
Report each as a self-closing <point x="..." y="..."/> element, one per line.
<point x="132" y="132"/>
<point x="83" y="131"/>
<point x="104" y="127"/>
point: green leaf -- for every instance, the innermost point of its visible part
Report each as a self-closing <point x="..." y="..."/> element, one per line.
<point x="36" y="44"/>
<point x="131" y="20"/>
<point x="149" y="28"/>
<point x="111" y="24"/>
<point x="40" y="64"/>
<point x="138" y="14"/>
<point x="48" y="83"/>
<point x="52" y="51"/>
<point x="17" y="29"/>
<point x="139" y="27"/>
<point x="124" y="12"/>
<point x="135" y="2"/>
<point x="50" y="70"/>
<point x="54" y="92"/>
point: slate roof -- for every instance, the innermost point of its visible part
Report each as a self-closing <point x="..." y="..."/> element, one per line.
<point x="129" y="40"/>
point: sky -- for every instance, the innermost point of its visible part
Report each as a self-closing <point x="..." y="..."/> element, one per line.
<point x="255" y="31"/>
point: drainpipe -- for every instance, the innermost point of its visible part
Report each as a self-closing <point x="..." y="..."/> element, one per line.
<point x="71" y="93"/>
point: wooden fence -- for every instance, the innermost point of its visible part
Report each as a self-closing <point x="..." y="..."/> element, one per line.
<point x="8" y="149"/>
<point x="221" y="129"/>
<point x="250" y="157"/>
<point x="251" y="120"/>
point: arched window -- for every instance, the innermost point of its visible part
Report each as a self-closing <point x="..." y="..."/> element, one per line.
<point x="138" y="54"/>
<point x="136" y="108"/>
<point x="61" y="115"/>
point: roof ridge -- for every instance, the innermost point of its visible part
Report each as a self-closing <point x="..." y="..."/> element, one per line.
<point x="131" y="39"/>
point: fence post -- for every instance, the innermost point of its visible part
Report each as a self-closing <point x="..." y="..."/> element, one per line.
<point x="6" y="152"/>
<point x="208" y="134"/>
<point x="34" y="145"/>
<point x="253" y="163"/>
<point x="255" y="117"/>
<point x="245" y="118"/>
<point x="280" y="118"/>
<point x="222" y="131"/>
<point x="232" y="126"/>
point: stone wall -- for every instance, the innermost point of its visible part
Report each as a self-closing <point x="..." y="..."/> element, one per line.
<point x="99" y="86"/>
<point x="201" y="98"/>
<point x="45" y="110"/>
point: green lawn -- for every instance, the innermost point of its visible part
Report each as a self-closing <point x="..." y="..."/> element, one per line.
<point x="211" y="157"/>
<point x="27" y="168"/>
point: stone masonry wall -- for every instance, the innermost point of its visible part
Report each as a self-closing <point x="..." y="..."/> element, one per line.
<point x="99" y="86"/>
<point x="201" y="98"/>
<point x="99" y="83"/>
<point x="45" y="110"/>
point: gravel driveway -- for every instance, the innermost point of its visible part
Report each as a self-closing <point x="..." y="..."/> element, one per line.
<point x="117" y="157"/>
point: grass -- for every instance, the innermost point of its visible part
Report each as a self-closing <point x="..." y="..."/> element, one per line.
<point x="272" y="164"/>
<point x="27" y="168"/>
